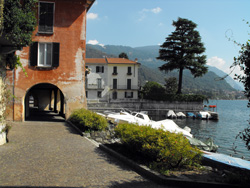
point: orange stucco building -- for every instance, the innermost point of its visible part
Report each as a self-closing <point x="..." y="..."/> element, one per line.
<point x="55" y="62"/>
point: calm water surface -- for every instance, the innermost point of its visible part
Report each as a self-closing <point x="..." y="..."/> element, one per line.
<point x="233" y="118"/>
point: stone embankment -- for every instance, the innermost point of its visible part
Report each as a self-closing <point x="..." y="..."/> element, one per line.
<point x="157" y="109"/>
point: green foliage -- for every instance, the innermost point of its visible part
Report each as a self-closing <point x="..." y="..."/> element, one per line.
<point x="123" y="55"/>
<point x="87" y="120"/>
<point x="154" y="91"/>
<point x="164" y="150"/>
<point x="171" y="85"/>
<point x="19" y="21"/>
<point x="183" y="49"/>
<point x="1" y="16"/>
<point x="13" y="61"/>
<point x="243" y="61"/>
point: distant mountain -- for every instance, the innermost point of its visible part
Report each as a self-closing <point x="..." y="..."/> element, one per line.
<point x="229" y="79"/>
<point x="93" y="52"/>
<point x="147" y="57"/>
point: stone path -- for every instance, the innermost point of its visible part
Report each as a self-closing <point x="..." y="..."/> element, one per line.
<point x="51" y="154"/>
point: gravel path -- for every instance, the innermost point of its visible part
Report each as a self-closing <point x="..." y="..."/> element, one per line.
<point x="51" y="154"/>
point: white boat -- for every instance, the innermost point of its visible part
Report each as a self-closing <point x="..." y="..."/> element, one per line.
<point x="143" y="119"/>
<point x="180" y="115"/>
<point x="171" y="114"/>
<point x="204" y="115"/>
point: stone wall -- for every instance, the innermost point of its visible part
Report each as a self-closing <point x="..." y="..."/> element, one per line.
<point x="157" y="109"/>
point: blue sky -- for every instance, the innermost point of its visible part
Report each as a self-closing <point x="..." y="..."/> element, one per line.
<point x="138" y="23"/>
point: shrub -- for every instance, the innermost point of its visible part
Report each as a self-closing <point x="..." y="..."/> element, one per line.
<point x="164" y="150"/>
<point x="87" y="120"/>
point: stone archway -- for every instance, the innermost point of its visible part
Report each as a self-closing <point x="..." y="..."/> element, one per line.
<point x="44" y="102"/>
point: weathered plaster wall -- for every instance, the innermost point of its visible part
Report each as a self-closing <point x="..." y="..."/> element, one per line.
<point x="69" y="31"/>
<point x="2" y="103"/>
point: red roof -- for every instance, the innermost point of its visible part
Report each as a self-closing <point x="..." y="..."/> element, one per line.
<point x="110" y="61"/>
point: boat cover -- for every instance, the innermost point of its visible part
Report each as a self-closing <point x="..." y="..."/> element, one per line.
<point x="228" y="160"/>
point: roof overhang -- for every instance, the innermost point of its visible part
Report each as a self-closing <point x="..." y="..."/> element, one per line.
<point x="89" y="3"/>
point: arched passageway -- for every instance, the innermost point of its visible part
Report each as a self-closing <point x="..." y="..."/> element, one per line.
<point x="44" y="102"/>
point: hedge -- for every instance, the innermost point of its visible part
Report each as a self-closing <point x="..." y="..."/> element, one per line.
<point x="163" y="150"/>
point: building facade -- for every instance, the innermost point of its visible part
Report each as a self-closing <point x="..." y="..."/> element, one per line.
<point x="54" y="63"/>
<point x="111" y="79"/>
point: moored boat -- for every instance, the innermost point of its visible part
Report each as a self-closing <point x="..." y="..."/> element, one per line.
<point x="171" y="114"/>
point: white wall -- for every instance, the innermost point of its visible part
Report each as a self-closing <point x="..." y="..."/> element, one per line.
<point x="107" y="81"/>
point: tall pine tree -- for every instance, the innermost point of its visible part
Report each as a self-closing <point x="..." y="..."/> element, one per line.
<point x="183" y="49"/>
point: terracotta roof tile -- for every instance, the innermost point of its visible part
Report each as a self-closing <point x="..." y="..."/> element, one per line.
<point x="110" y="61"/>
<point x="95" y="60"/>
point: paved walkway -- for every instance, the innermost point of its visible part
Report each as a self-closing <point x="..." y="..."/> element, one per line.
<point x="46" y="154"/>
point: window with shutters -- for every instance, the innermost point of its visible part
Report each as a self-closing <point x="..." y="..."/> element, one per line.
<point x="45" y="55"/>
<point x="129" y="94"/>
<point x="114" y="83"/>
<point x="128" y="83"/>
<point x="114" y="71"/>
<point x="46" y="17"/>
<point x="129" y="71"/>
<point x="100" y="69"/>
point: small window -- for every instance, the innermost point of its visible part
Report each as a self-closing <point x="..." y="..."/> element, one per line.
<point x="129" y="94"/>
<point x="114" y="71"/>
<point x="99" y="94"/>
<point x="129" y="71"/>
<point x="114" y="83"/>
<point x="99" y="83"/>
<point x="86" y="94"/>
<point x="140" y="116"/>
<point x="114" y="95"/>
<point x="100" y="69"/>
<point x="46" y="17"/>
<point x="45" y="54"/>
<point x="128" y="83"/>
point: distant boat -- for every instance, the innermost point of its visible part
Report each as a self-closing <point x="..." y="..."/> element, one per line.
<point x="171" y="114"/>
<point x="204" y="115"/>
<point x="180" y="115"/>
<point x="191" y="115"/>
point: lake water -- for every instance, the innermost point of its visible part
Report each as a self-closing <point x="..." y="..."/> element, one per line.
<point x="233" y="118"/>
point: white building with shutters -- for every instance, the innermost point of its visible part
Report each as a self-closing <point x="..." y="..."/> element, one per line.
<point x="111" y="79"/>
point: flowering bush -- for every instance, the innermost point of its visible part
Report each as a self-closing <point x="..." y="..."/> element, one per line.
<point x="164" y="150"/>
<point x="87" y="120"/>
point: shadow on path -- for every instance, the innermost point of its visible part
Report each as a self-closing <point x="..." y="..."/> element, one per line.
<point x="50" y="116"/>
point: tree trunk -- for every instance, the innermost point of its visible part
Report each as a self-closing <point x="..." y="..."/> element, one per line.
<point x="180" y="81"/>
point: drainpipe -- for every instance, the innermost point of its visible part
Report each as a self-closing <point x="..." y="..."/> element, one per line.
<point x="13" y="85"/>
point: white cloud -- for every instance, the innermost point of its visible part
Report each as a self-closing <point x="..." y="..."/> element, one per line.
<point x="156" y="10"/>
<point x="95" y="42"/>
<point x="144" y="11"/>
<point x="92" y="16"/>
<point x="216" y="62"/>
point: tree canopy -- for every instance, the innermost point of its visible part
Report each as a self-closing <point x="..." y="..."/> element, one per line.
<point x="183" y="49"/>
<point x="123" y="55"/>
<point x="243" y="61"/>
<point x="19" y="21"/>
